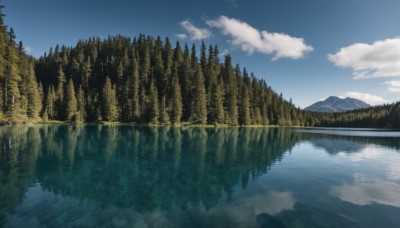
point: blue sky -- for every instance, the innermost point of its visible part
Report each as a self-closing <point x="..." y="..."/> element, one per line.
<point x="306" y="49"/>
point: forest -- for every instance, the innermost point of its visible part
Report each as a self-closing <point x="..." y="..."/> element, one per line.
<point x="150" y="80"/>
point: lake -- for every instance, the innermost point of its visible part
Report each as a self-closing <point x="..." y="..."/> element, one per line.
<point x="138" y="176"/>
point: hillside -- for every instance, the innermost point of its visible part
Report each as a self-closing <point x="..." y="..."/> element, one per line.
<point x="140" y="80"/>
<point x="336" y="104"/>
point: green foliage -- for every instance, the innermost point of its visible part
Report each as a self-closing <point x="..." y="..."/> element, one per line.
<point x="176" y="101"/>
<point x="153" y="112"/>
<point x="33" y="94"/>
<point x="245" y="108"/>
<point x="199" y="114"/>
<point x="71" y="104"/>
<point x="109" y="104"/>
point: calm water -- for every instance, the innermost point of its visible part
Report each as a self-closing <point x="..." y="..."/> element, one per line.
<point x="126" y="176"/>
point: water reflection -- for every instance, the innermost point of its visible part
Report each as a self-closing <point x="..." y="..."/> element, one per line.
<point x="140" y="167"/>
<point x="97" y="175"/>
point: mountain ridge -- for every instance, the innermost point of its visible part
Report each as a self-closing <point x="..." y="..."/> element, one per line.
<point x="336" y="104"/>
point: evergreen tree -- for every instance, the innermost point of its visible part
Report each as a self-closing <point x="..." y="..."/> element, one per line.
<point x="34" y="99"/>
<point x="164" y="116"/>
<point x="81" y="114"/>
<point x="200" y="109"/>
<point x="60" y="102"/>
<point x="217" y="105"/>
<point x="2" y="62"/>
<point x="153" y="112"/>
<point x="109" y="105"/>
<point x="12" y="77"/>
<point x="70" y="102"/>
<point x="231" y="92"/>
<point x="50" y="104"/>
<point x="176" y="101"/>
<point x="245" y="107"/>
<point x="134" y="91"/>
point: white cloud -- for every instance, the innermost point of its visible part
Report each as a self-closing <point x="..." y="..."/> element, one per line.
<point x="181" y="36"/>
<point x="381" y="192"/>
<point x="366" y="97"/>
<point x="369" y="153"/>
<point x="195" y="33"/>
<point x="393" y="172"/>
<point x="380" y="59"/>
<point x="28" y="50"/>
<point x="394" y="86"/>
<point x="250" y="39"/>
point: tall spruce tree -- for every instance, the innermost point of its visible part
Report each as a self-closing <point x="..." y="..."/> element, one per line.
<point x="217" y="105"/>
<point x="109" y="105"/>
<point x="81" y="114"/>
<point x="231" y="92"/>
<point x="164" y="115"/>
<point x="12" y="77"/>
<point x="71" y="104"/>
<point x="176" y="101"/>
<point x="245" y="107"/>
<point x="2" y="62"/>
<point x="153" y="112"/>
<point x="60" y="101"/>
<point x="134" y="91"/>
<point x="199" y="114"/>
<point x="34" y="99"/>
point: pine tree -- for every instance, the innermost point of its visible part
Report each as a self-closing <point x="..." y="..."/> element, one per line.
<point x="231" y="92"/>
<point x="154" y="111"/>
<point x="217" y="105"/>
<point x="134" y="91"/>
<point x="12" y="77"/>
<point x="60" y="101"/>
<point x="245" y="107"/>
<point x="70" y="102"/>
<point x="34" y="100"/>
<point x="81" y="115"/>
<point x="164" y="116"/>
<point x="199" y="114"/>
<point x="109" y="105"/>
<point x="176" y="101"/>
<point x="2" y="62"/>
<point x="50" y="104"/>
<point x="186" y="84"/>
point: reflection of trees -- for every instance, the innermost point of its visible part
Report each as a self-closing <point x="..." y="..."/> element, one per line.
<point x="147" y="168"/>
<point x="144" y="168"/>
<point x="137" y="167"/>
<point x="16" y="165"/>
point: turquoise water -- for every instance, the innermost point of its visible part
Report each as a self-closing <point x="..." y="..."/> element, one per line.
<point x="131" y="176"/>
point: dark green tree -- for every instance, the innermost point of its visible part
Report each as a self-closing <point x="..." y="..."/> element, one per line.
<point x="71" y="104"/>
<point x="245" y="118"/>
<point x="153" y="112"/>
<point x="110" y="104"/>
<point x="199" y="114"/>
<point x="176" y="101"/>
<point x="34" y="99"/>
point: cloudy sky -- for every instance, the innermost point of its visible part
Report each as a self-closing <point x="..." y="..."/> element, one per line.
<point x="308" y="50"/>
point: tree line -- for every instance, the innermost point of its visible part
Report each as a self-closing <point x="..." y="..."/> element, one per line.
<point x="149" y="80"/>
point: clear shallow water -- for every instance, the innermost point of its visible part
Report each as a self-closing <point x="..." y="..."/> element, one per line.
<point x="125" y="176"/>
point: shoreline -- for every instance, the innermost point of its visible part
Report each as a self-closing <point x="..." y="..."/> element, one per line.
<point x="30" y="123"/>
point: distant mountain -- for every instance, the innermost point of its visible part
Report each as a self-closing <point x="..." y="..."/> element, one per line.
<point x="336" y="104"/>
